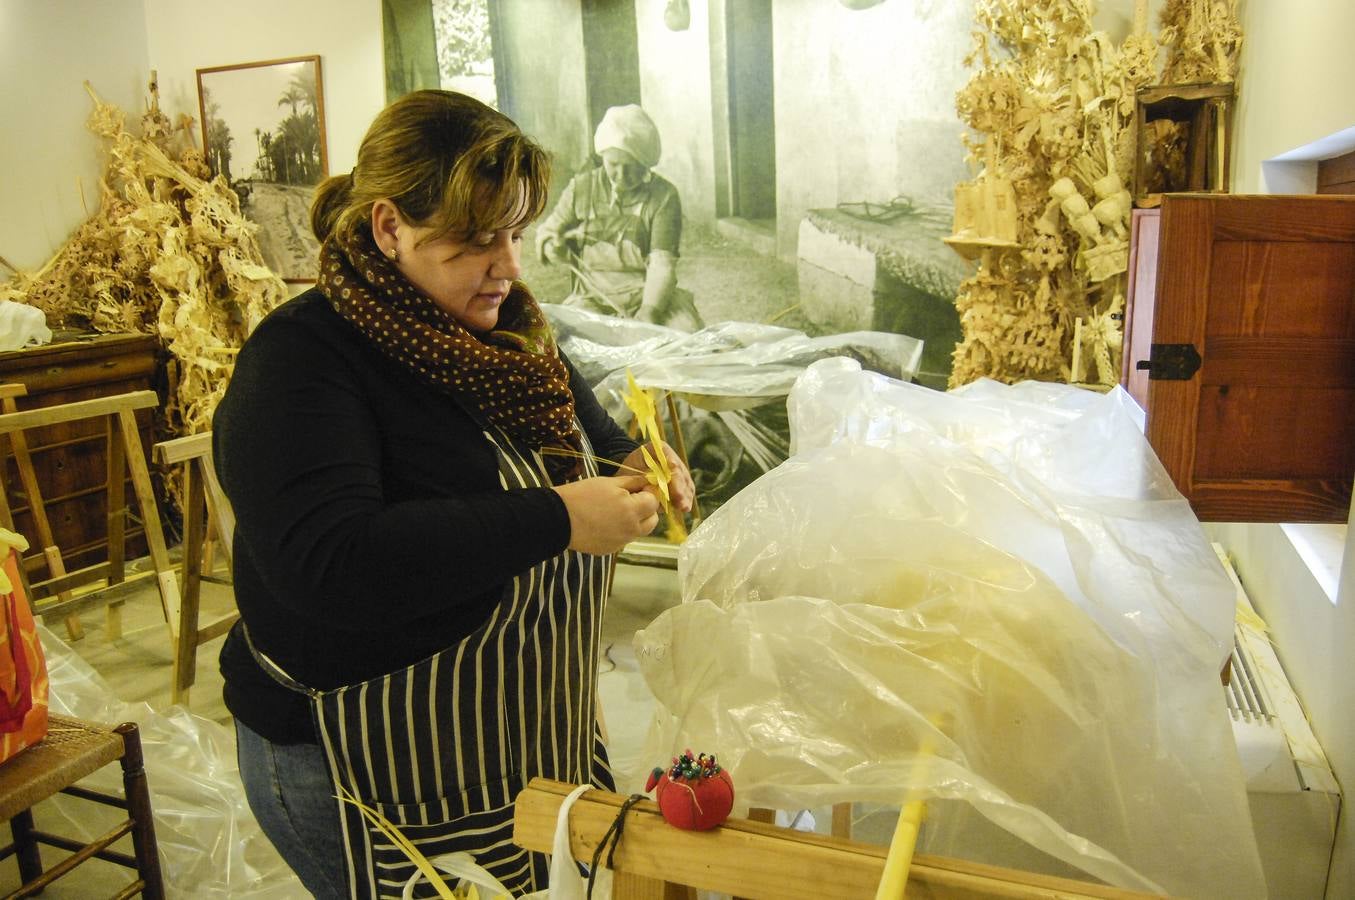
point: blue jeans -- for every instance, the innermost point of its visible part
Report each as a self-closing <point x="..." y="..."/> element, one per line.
<point x="291" y="794"/>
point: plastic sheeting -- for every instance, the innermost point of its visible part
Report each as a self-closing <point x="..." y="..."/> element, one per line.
<point x="1003" y="574"/>
<point x="733" y="377"/>
<point x="210" y="845"/>
<point x="22" y="325"/>
<point x="732" y="365"/>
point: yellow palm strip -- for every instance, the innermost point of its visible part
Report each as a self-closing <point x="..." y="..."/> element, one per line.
<point x="385" y="826"/>
<point x="575" y="454"/>
<point x="641" y="404"/>
<point x="894" y="878"/>
<point x="660" y="475"/>
<point x="676" y="532"/>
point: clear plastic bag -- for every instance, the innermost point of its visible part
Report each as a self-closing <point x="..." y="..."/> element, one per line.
<point x="732" y="380"/>
<point x="464" y="872"/>
<point x="210" y="844"/>
<point x="1004" y="574"/>
<point x="22" y="325"/>
<point x="565" y="881"/>
<point x="732" y="365"/>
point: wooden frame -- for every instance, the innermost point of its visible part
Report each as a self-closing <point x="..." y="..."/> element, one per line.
<point x="206" y="510"/>
<point x="655" y="861"/>
<point x="263" y="130"/>
<point x="60" y="594"/>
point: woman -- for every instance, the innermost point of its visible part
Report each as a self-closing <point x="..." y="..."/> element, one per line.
<point x="618" y="226"/>
<point x="425" y="509"/>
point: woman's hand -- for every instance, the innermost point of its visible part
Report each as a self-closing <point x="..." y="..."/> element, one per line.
<point x="548" y="251"/>
<point x="606" y="514"/>
<point x="681" y="490"/>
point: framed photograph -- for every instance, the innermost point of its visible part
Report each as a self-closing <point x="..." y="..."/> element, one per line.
<point x="263" y="130"/>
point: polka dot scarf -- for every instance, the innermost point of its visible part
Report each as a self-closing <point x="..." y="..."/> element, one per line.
<point x="511" y="377"/>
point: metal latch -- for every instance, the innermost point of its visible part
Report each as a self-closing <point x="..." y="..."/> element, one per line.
<point x="1170" y="362"/>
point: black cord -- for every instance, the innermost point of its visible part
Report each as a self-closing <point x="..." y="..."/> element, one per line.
<point x="613" y="835"/>
<point x="897" y="208"/>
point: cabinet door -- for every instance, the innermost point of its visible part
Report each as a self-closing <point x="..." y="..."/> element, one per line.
<point x="1264" y="290"/>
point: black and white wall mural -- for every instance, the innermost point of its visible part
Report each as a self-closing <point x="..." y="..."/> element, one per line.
<point x="728" y="174"/>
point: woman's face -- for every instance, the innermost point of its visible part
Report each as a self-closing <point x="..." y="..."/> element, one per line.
<point x="466" y="279"/>
<point x="622" y="170"/>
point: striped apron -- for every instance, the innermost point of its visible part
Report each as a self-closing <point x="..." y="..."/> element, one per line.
<point x="442" y="747"/>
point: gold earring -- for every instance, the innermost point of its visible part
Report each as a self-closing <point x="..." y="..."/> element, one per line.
<point x="393" y="253"/>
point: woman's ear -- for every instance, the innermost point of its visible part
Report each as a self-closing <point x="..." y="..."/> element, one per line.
<point x="386" y="222"/>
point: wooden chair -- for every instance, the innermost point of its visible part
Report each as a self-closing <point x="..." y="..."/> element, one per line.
<point x="655" y="861"/>
<point x="206" y="511"/>
<point x="71" y="751"/>
<point x="105" y="583"/>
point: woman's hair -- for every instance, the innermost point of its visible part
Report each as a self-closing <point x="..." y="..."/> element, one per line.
<point x="447" y="161"/>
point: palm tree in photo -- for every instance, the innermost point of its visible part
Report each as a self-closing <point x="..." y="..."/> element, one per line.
<point x="308" y="133"/>
<point x="280" y="157"/>
<point x="304" y="83"/>
<point x="219" y="138"/>
<point x="294" y="142"/>
<point x="300" y="132"/>
<point x="266" y="165"/>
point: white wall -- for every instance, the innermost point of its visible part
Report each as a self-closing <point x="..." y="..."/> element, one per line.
<point x="183" y="36"/>
<point x="1314" y="636"/>
<point x="546" y="90"/>
<point x="48" y="48"/>
<point x="865" y="105"/>
<point x="47" y="155"/>
<point x="681" y="106"/>
<point x="1293" y="89"/>
<point x="1337" y="711"/>
<point x="1293" y="83"/>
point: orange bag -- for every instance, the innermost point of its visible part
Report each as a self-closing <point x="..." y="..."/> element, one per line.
<point x="23" y="669"/>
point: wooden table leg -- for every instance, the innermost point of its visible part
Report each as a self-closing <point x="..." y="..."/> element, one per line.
<point x="842" y="821"/>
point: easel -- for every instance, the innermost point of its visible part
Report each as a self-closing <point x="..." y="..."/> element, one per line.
<point x="58" y="594"/>
<point x="655" y="861"/>
<point x="206" y="509"/>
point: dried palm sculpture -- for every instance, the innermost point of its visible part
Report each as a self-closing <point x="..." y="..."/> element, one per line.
<point x="167" y="253"/>
<point x="1203" y="39"/>
<point x="1051" y="108"/>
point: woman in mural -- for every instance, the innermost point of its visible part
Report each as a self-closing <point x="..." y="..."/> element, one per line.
<point x="617" y="228"/>
<point x="420" y="577"/>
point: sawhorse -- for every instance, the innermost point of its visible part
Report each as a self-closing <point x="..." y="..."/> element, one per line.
<point x="205" y="509"/>
<point x="655" y="861"/>
<point x="59" y="594"/>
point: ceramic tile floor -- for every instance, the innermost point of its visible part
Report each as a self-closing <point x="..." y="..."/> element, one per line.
<point x="136" y="668"/>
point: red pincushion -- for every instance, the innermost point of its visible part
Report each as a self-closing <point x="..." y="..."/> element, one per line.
<point x="695" y="804"/>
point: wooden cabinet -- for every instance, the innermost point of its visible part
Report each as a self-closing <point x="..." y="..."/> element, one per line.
<point x="1241" y="316"/>
<point x="70" y="460"/>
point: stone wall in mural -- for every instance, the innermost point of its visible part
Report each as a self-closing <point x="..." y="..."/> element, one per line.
<point x="729" y="175"/>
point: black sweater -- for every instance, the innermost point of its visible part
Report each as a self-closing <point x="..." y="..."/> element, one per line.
<point x="371" y="527"/>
